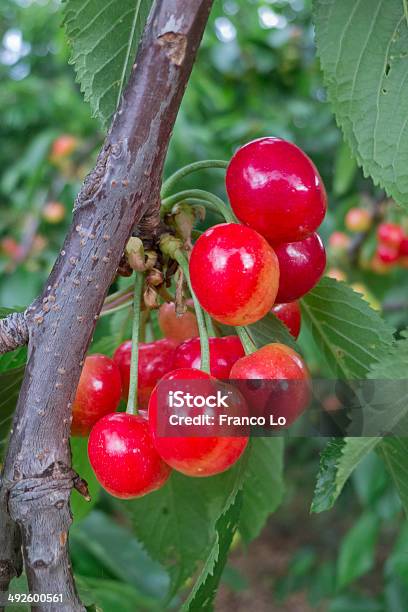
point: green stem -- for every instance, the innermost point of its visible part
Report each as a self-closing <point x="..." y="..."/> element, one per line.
<point x="204" y="345"/>
<point x="134" y="360"/>
<point x="247" y="342"/>
<point x="405" y="4"/>
<point x="144" y="320"/>
<point x="209" y="199"/>
<point x="209" y="325"/>
<point x="186" y="170"/>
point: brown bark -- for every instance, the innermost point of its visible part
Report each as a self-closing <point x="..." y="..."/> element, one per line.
<point x="13" y="332"/>
<point x="122" y="192"/>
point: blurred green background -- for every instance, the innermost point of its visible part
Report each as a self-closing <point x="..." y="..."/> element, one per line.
<point x="257" y="74"/>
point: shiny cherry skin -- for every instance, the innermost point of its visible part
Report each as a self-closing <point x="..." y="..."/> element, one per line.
<point x="234" y="274"/>
<point x="194" y="455"/>
<point x="276" y="189"/>
<point x="273" y="364"/>
<point x="301" y="265"/>
<point x="177" y="328"/>
<point x="358" y="220"/>
<point x="123" y="457"/>
<point x="224" y="352"/>
<point x="155" y="360"/>
<point x="98" y="393"/>
<point x="290" y="315"/>
<point x="391" y="234"/>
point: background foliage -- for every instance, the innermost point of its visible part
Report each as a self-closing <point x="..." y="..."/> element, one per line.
<point x="257" y="74"/>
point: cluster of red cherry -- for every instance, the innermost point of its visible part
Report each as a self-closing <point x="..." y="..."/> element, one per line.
<point x="238" y="273"/>
<point x="391" y="246"/>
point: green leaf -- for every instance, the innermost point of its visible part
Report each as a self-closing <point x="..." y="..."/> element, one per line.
<point x="394" y="452"/>
<point x="355" y="603"/>
<point x="357" y="551"/>
<point x="271" y="329"/>
<point x="104" y="36"/>
<point x="113" y="595"/>
<point x="263" y="485"/>
<point x="121" y="326"/>
<point x="177" y="523"/>
<point x="351" y="335"/>
<point x="337" y="462"/>
<point x="394" y="365"/>
<point x="363" y="48"/>
<point x="100" y="545"/>
<point x="80" y="463"/>
<point x="202" y="596"/>
<point x="344" y="170"/>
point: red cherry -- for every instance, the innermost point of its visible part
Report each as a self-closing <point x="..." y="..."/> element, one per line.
<point x="275" y="188"/>
<point x="155" y="360"/>
<point x="123" y="457"/>
<point x="234" y="273"/>
<point x="387" y="254"/>
<point x="63" y="146"/>
<point x="403" y="249"/>
<point x="339" y="241"/>
<point x="274" y="362"/>
<point x="358" y="220"/>
<point x="177" y="328"/>
<point x="194" y="455"/>
<point x="290" y="314"/>
<point x="98" y="393"/>
<point x="301" y="265"/>
<point x="391" y="234"/>
<point x="224" y="352"/>
<point x="54" y="212"/>
<point x="10" y="247"/>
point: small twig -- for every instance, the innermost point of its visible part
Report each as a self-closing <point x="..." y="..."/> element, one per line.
<point x="13" y="332"/>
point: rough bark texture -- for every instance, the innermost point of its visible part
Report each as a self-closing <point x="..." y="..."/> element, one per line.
<point x="122" y="192"/>
<point x="13" y="332"/>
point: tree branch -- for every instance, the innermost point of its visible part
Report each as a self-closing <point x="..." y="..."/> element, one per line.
<point x="122" y="192"/>
<point x="13" y="332"/>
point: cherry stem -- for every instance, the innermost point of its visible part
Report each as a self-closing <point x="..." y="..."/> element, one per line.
<point x="247" y="342"/>
<point x="209" y="325"/>
<point x="134" y="360"/>
<point x="144" y="320"/>
<point x="186" y="170"/>
<point x="204" y="344"/>
<point x="209" y="199"/>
